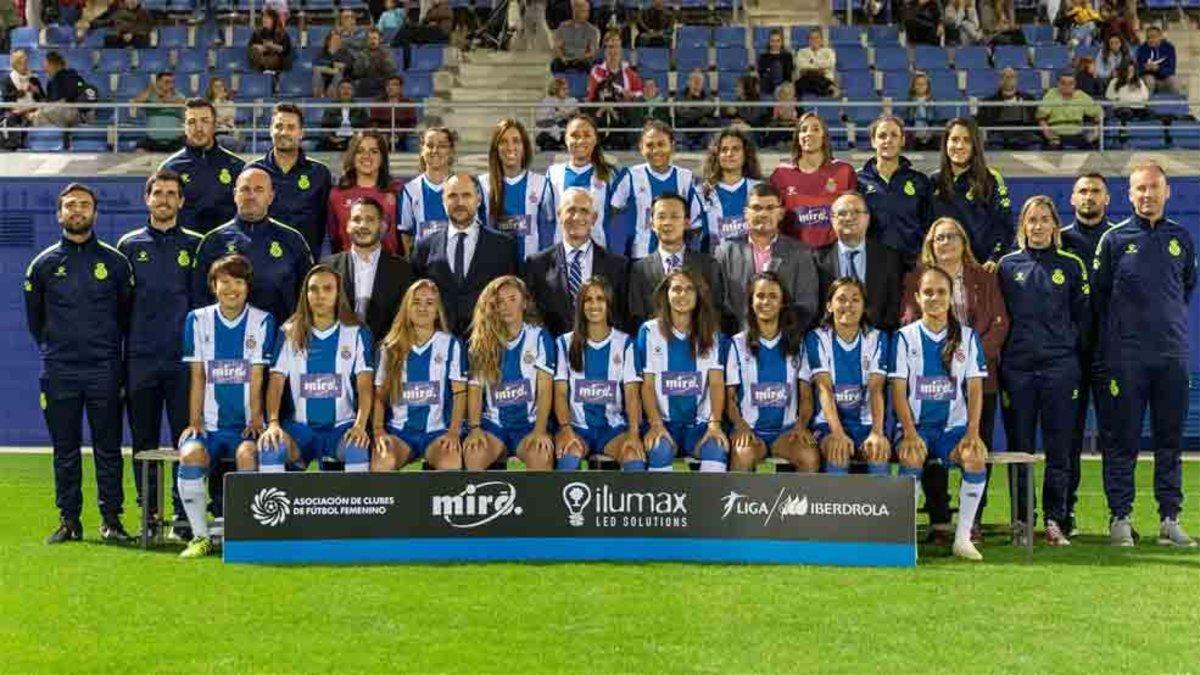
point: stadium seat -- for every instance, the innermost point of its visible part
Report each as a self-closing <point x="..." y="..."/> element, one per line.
<point x="79" y="58"/>
<point x="944" y="86"/>
<point x="241" y="36"/>
<point x="45" y="140"/>
<point x="982" y="83"/>
<point x="1052" y="57"/>
<point x="427" y="58"/>
<point x="727" y="85"/>
<point x="846" y="36"/>
<point x="315" y="35"/>
<point x="255" y="86"/>
<point x="295" y="83"/>
<point x="1030" y="82"/>
<point x="113" y="61"/>
<point x="192" y="60"/>
<point x="418" y="86"/>
<point x="57" y="36"/>
<point x="233" y="60"/>
<point x="94" y="39"/>
<point x="883" y="35"/>
<point x="863" y="114"/>
<point x="799" y="36"/>
<point x="37" y="61"/>
<point x="896" y="84"/>
<point x="577" y="82"/>
<point x="688" y="59"/>
<point x="1170" y="106"/>
<point x="1161" y="4"/>
<point x="974" y="57"/>
<point x="731" y="59"/>
<point x="23" y="37"/>
<point x="930" y="58"/>
<point x="130" y="85"/>
<point x="891" y="58"/>
<point x="89" y="140"/>
<point x="1038" y="34"/>
<point x="858" y="84"/>
<point x="761" y="33"/>
<point x="154" y="60"/>
<point x="1185" y="135"/>
<point x="653" y="58"/>
<point x="730" y="36"/>
<point x="852" y="57"/>
<point x="1010" y="56"/>
<point x="1145" y="134"/>
<point x="943" y="112"/>
<point x="172" y="37"/>
<point x="692" y="37"/>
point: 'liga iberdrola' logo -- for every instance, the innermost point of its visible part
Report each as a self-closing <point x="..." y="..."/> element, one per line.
<point x="1174" y="248"/>
<point x="100" y="272"/>
<point x="276" y="250"/>
<point x="271" y="506"/>
<point x="1058" y="277"/>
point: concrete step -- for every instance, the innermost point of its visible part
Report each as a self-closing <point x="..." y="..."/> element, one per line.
<point x="506" y="94"/>
<point x="506" y="58"/>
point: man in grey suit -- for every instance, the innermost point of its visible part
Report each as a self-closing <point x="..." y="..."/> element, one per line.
<point x="668" y="217"/>
<point x="880" y="268"/>
<point x="765" y="249"/>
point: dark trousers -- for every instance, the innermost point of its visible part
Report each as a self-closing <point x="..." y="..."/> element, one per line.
<point x="1044" y="398"/>
<point x="935" y="480"/>
<point x="151" y="387"/>
<point x="64" y="400"/>
<point x="1161" y="384"/>
<point x="1093" y="388"/>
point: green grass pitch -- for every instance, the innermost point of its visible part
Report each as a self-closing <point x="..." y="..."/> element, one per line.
<point x="1089" y="608"/>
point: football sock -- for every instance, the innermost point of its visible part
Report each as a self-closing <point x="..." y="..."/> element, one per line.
<point x="194" y="494"/>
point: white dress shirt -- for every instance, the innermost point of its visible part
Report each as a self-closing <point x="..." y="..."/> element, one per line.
<point x="860" y="260"/>
<point x="364" y="278"/>
<point x="663" y="254"/>
<point x="585" y="260"/>
<point x="452" y="233"/>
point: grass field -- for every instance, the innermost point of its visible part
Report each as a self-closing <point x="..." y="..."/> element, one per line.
<point x="1088" y="608"/>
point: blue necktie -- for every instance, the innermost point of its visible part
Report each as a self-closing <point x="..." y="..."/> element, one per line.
<point x="672" y="263"/>
<point x="853" y="267"/>
<point x="575" y="274"/>
<point x="460" y="251"/>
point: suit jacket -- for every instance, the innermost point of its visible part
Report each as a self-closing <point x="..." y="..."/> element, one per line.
<point x="495" y="256"/>
<point x="393" y="276"/>
<point x="885" y="270"/>
<point x="647" y="273"/>
<point x="987" y="313"/>
<point x="791" y="259"/>
<point x="546" y="276"/>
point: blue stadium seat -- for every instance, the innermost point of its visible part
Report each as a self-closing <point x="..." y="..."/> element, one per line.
<point x="943" y="112"/>
<point x="692" y="37"/>
<point x="896" y="83"/>
<point x="426" y="58"/>
<point x="58" y="36"/>
<point x="255" y="85"/>
<point x="851" y="58"/>
<point x="315" y="36"/>
<point x="653" y="58"/>
<point x="191" y="60"/>
<point x="883" y="35"/>
<point x="930" y="58"/>
<point x="688" y="59"/>
<point x="761" y="33"/>
<point x="1038" y="34"/>
<point x="295" y="83"/>
<point x="982" y="83"/>
<point x="1030" y="82"/>
<point x="863" y="114"/>
<point x="89" y="140"/>
<point x="944" y="86"/>
<point x="975" y="57"/>
<point x="846" y="35"/>
<point x="79" y="58"/>
<point x="799" y="36"/>
<point x="730" y="59"/>
<point x="113" y="61"/>
<point x="241" y="36"/>
<point x="172" y="37"/>
<point x="577" y="83"/>
<point x="729" y="36"/>
<point x="418" y="86"/>
<point x="1170" y="106"/>
<point x="1052" y="57"/>
<point x="233" y="60"/>
<point x="1161" y="4"/>
<point x="891" y="58"/>
<point x="154" y="60"/>
<point x="94" y="39"/>
<point x="1145" y="134"/>
<point x="1185" y="136"/>
<point x="858" y="84"/>
<point x="37" y="60"/>
<point x="839" y="7"/>
<point x="130" y="85"/>
<point x="1010" y="56"/>
<point x="23" y="37"/>
<point x="45" y="140"/>
<point x="306" y="55"/>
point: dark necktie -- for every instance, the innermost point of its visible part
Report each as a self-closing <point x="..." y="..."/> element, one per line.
<point x="852" y="255"/>
<point x="460" y="256"/>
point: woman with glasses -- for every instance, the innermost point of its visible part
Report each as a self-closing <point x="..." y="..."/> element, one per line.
<point x="976" y="302"/>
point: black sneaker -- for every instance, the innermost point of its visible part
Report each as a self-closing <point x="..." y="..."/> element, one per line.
<point x="68" y="530"/>
<point x="113" y="531"/>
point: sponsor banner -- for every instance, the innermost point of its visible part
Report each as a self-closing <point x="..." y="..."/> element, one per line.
<point x="414" y="516"/>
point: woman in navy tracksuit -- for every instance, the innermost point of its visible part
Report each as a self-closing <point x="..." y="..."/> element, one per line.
<point x="899" y="197"/>
<point x="1046" y="290"/>
<point x="965" y="189"/>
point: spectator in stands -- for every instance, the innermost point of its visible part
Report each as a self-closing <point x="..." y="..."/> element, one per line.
<point x="615" y="69"/>
<point x="961" y="24"/>
<point x="9" y="19"/>
<point x="920" y="115"/>
<point x="394" y="121"/>
<point x="972" y="193"/>
<point x="575" y="41"/>
<point x="331" y="66"/>
<point x="1062" y="113"/>
<point x="1009" y="107"/>
<point x="1111" y="56"/>
<point x="342" y="121"/>
<point x="365" y="174"/>
<point x="1086" y="78"/>
<point x="393" y="16"/>
<point x="655" y="108"/>
<point x="129" y="26"/>
<point x="270" y="45"/>
<point x="89" y="12"/>
<point x="784" y="115"/>
<point x="1156" y="62"/>
<point x="1083" y="19"/>
<point x="163" y="114"/>
<point x="746" y="90"/>
<point x="20" y="85"/>
<point x="1007" y="33"/>
<point x="64" y="86"/>
<point x="553" y="111"/>
<point x="654" y="25"/>
<point x="228" y="134"/>
<point x="1112" y="22"/>
<point x="1129" y="93"/>
<point x="437" y="20"/>
<point x="373" y="65"/>
<point x="924" y="23"/>
<point x="815" y="67"/>
<point x="354" y="37"/>
<point x="776" y="65"/>
<point x="811" y="181"/>
<point x="694" y="116"/>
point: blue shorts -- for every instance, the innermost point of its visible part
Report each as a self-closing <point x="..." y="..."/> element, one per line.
<point x="510" y="437"/>
<point x="686" y="436"/>
<point x="417" y="441"/>
<point x="941" y="441"/>
<point x="315" y="444"/>
<point x="769" y="436"/>
<point x="598" y="438"/>
<point x="855" y="430"/>
<point x="221" y="444"/>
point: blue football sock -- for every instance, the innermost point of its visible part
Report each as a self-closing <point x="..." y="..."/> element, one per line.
<point x="356" y="458"/>
<point x="634" y="465"/>
<point x="877" y="468"/>
<point x="909" y="471"/>
<point x="713" y="457"/>
<point x="661" y="455"/>
<point x="836" y="469"/>
<point x="567" y="462"/>
<point x="271" y="458"/>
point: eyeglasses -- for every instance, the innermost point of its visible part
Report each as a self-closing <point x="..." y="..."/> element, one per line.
<point x="848" y="213"/>
<point x="944" y="237"/>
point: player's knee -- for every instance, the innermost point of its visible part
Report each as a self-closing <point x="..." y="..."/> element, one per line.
<point x="973" y="462"/>
<point x="744" y="457"/>
<point x="807" y="459"/>
<point x="192" y="453"/>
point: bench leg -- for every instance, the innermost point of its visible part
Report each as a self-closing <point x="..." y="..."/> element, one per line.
<point x="1029" y="526"/>
<point x="144" y="480"/>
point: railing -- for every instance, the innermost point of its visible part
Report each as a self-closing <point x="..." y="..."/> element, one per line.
<point x="125" y="119"/>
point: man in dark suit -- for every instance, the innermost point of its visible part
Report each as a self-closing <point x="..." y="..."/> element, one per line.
<point x="763" y="249"/>
<point x="373" y="280"/>
<point x="854" y="254"/>
<point x="555" y="274"/>
<point x="464" y="257"/>
<point x="668" y="217"/>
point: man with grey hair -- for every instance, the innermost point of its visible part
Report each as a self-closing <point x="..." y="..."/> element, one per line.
<point x="575" y="41"/>
<point x="555" y="274"/>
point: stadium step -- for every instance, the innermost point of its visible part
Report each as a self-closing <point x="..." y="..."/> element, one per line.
<point x="517" y="78"/>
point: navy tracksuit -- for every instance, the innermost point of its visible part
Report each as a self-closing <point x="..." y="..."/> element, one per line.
<point x="901" y="208"/>
<point x="301" y="196"/>
<point x="156" y="376"/>
<point x="208" y="177"/>
<point x="77" y="298"/>
<point x="1046" y="292"/>
<point x="989" y="224"/>
<point x="1143" y="279"/>
<point x="1082" y="240"/>
<point x="278" y="254"/>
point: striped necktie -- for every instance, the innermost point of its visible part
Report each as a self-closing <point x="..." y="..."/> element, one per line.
<point x="575" y="273"/>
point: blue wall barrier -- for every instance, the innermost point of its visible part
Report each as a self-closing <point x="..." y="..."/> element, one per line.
<point x="28" y="224"/>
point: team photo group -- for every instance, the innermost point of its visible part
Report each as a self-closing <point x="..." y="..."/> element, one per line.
<point x="837" y="319"/>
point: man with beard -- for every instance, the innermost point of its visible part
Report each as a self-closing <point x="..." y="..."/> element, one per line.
<point x="78" y="293"/>
<point x="278" y="254"/>
<point x="161" y="255"/>
<point x="373" y="280"/>
<point x="207" y="169"/>
<point x="301" y="184"/>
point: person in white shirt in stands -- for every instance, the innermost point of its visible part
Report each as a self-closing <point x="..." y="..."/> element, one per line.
<point x="815" y="67"/>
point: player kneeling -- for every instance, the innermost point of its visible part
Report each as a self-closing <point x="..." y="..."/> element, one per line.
<point x="512" y="381"/>
<point x="846" y="357"/>
<point x="937" y="388"/>
<point x="596" y="389"/>
<point x="228" y="346"/>
<point x="769" y="398"/>
<point x="422" y="373"/>
<point x="679" y="356"/>
<point x="324" y="358"/>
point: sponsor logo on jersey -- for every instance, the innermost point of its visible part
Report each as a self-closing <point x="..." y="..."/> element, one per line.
<point x="320" y="385"/>
<point x="420" y="393"/>
<point x="229" y="371"/>
<point x="935" y="388"/>
<point x="681" y="383"/>
<point x="770" y="394"/>
<point x="848" y="395"/>
<point x="512" y="392"/>
<point x="596" y="392"/>
<point x="477" y="504"/>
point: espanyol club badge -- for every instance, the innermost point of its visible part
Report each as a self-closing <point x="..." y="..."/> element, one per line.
<point x="528" y="358"/>
<point x="251" y="343"/>
<point x="438" y="359"/>
<point x="960" y="355"/>
<point x="831" y="185"/>
<point x="345" y="353"/>
<point x="533" y="199"/>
